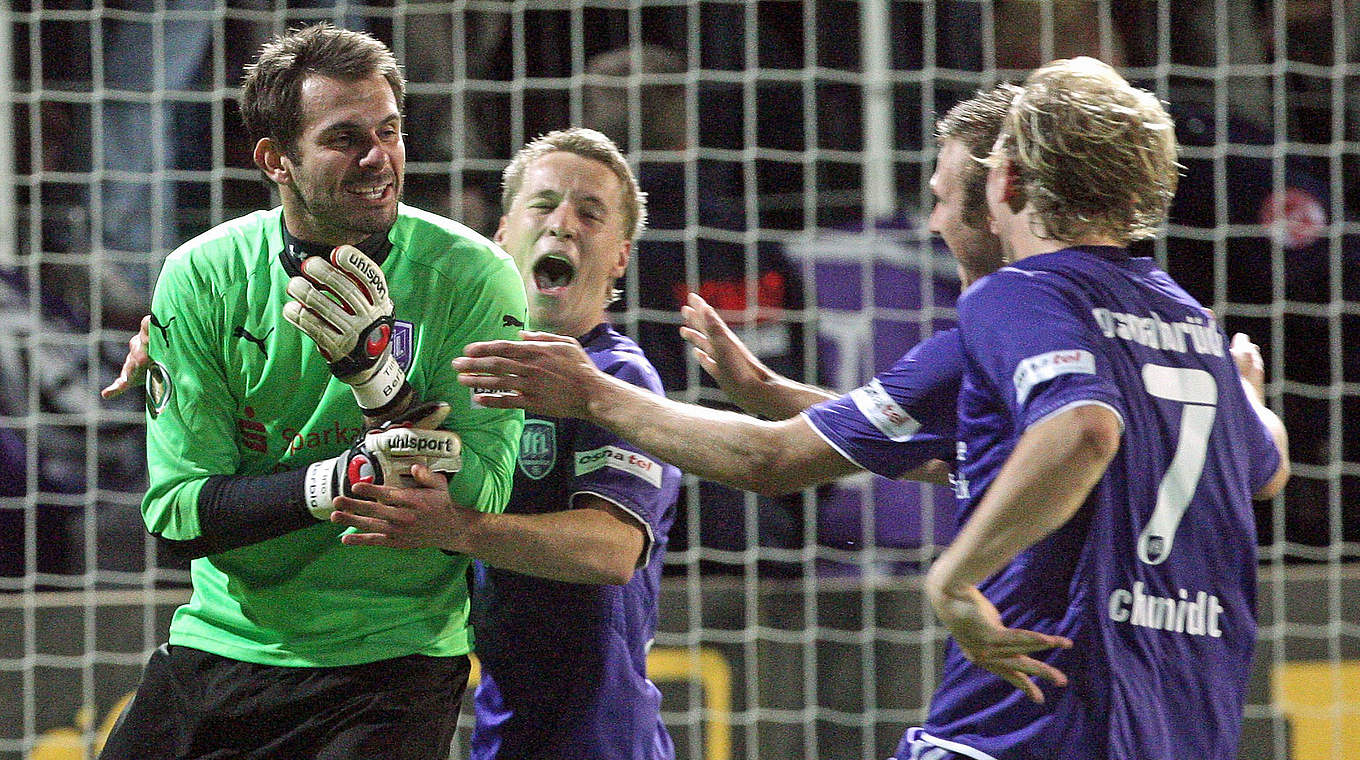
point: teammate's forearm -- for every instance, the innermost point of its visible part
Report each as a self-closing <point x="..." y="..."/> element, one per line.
<point x="574" y="546"/>
<point x="738" y="450"/>
<point x="780" y="398"/>
<point x="1042" y="485"/>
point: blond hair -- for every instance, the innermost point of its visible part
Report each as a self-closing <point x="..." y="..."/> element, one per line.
<point x="1095" y="156"/>
<point x="586" y="143"/>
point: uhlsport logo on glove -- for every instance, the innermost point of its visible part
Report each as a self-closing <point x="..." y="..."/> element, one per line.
<point x="347" y="257"/>
<point x="342" y="304"/>
<point x="404" y="442"/>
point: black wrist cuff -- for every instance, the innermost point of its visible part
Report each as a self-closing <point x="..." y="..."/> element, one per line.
<point x="239" y="510"/>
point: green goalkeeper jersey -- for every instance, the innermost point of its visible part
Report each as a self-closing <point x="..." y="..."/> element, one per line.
<point x="235" y="389"/>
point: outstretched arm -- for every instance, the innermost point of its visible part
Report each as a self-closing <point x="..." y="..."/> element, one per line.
<point x="741" y="375"/>
<point x="551" y="375"/>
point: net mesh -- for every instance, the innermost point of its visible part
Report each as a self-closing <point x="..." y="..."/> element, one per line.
<point x="786" y="148"/>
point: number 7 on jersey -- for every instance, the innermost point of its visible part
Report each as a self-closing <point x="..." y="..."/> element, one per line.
<point x="1196" y="389"/>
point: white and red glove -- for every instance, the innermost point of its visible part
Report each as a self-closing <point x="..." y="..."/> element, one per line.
<point x="343" y="305"/>
<point x="384" y="456"/>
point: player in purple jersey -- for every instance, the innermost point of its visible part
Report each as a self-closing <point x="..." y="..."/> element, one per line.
<point x="1109" y="455"/>
<point x="566" y="587"/>
<point x="900" y="425"/>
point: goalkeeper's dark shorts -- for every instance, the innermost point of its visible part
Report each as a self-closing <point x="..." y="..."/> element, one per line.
<point x="192" y="704"/>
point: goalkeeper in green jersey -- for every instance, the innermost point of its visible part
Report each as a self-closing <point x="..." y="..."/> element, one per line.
<point x="278" y="343"/>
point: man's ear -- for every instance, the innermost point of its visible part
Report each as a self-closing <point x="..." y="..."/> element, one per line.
<point x="621" y="266"/>
<point x="272" y="161"/>
<point x="1013" y="191"/>
<point x="499" y="237"/>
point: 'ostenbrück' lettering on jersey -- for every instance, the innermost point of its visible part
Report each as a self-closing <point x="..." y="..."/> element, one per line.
<point x="623" y="460"/>
<point x="1179" y="614"/>
<point x="1195" y="333"/>
<point x="886" y="414"/>
<point x="1043" y="367"/>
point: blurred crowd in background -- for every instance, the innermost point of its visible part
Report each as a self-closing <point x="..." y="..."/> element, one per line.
<point x="126" y="143"/>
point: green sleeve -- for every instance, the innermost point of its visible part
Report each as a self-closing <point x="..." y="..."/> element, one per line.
<point x="189" y="431"/>
<point x="490" y="436"/>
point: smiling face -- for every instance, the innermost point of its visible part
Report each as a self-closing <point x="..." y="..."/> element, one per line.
<point x="978" y="251"/>
<point x="566" y="231"/>
<point x="344" y="179"/>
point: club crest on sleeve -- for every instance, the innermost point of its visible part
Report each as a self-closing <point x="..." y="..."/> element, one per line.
<point x="403" y="343"/>
<point x="159" y="389"/>
<point x="538" y="448"/>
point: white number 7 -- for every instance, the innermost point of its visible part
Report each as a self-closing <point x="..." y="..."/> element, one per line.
<point x="1197" y="390"/>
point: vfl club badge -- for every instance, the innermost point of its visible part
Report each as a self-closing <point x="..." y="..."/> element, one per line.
<point x="403" y="335"/>
<point x="159" y="389"/>
<point x="538" y="448"/>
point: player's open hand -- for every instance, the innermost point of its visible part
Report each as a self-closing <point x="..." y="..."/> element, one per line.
<point x="134" y="365"/>
<point x="1248" y="358"/>
<point x="977" y="628"/>
<point x="736" y="369"/>
<point x="418" y="517"/>
<point x="544" y="373"/>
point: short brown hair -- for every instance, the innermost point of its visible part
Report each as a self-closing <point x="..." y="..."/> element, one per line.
<point x="271" y="100"/>
<point x="586" y="143"/>
<point x="976" y="122"/>
<point x="1094" y="154"/>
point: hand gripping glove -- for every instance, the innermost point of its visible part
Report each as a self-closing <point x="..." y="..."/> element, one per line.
<point x="343" y="305"/>
<point x="384" y="456"/>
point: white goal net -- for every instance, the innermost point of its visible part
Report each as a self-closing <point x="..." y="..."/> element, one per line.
<point x="786" y="148"/>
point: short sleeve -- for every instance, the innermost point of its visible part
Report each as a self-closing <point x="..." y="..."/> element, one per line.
<point x="1030" y="343"/>
<point x="904" y="417"/>
<point x="607" y="466"/>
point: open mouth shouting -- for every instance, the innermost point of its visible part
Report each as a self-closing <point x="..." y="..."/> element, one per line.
<point x="553" y="273"/>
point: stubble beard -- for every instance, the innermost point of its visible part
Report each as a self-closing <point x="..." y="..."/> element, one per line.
<point x="338" y="223"/>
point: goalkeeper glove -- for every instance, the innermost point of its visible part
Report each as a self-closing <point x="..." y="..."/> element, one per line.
<point x="343" y="305"/>
<point x="384" y="456"/>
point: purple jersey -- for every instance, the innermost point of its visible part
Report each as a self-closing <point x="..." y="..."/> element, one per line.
<point x="902" y="418"/>
<point x="1154" y="578"/>
<point x="564" y="664"/>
